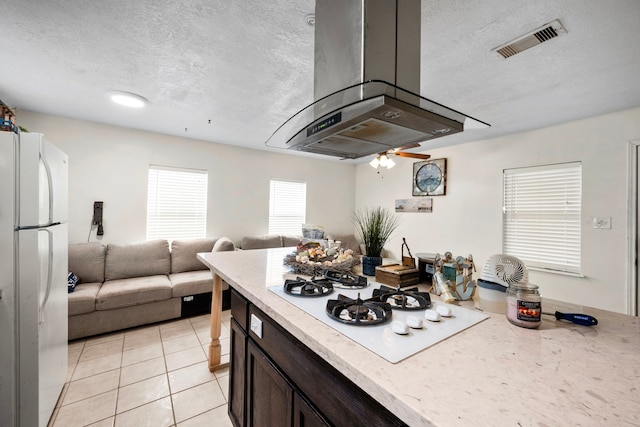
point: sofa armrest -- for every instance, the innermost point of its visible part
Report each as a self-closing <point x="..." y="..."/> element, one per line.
<point x="223" y="244"/>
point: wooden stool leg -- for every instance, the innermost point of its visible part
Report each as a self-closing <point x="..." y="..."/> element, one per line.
<point x="216" y="314"/>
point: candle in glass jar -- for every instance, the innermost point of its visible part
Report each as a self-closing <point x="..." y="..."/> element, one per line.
<point x="523" y="305"/>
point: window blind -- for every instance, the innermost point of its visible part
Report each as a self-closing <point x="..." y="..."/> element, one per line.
<point x="541" y="216"/>
<point x="287" y="207"/>
<point x="176" y="203"/>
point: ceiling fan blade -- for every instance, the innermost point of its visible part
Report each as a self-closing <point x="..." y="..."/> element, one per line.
<point x="407" y="147"/>
<point x="412" y="155"/>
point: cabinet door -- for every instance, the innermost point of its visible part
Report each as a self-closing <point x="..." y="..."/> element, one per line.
<point x="269" y="395"/>
<point x="237" y="380"/>
<point x="304" y="415"/>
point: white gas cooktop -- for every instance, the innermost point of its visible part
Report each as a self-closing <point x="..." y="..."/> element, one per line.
<point x="380" y="339"/>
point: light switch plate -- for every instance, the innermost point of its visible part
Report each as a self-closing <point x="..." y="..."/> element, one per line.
<point x="602" y="222"/>
<point x="256" y="325"/>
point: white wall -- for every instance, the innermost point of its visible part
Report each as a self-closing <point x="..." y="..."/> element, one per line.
<point x="110" y="164"/>
<point x="468" y="219"/>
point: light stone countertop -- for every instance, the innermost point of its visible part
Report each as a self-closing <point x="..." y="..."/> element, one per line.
<point x="492" y="374"/>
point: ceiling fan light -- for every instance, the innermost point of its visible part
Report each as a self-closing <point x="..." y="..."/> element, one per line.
<point x="390" y="163"/>
<point x="128" y="99"/>
<point x="374" y="163"/>
<point x="383" y="160"/>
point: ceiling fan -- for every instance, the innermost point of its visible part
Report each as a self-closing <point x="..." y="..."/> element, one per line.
<point x="383" y="159"/>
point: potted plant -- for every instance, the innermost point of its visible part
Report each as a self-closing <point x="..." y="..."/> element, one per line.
<point x="374" y="225"/>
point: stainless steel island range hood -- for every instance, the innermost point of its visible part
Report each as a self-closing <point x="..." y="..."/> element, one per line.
<point x="367" y="84"/>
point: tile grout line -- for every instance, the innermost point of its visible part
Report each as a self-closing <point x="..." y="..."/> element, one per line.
<point x="166" y="372"/>
<point x="115" y="409"/>
<point x="171" y="393"/>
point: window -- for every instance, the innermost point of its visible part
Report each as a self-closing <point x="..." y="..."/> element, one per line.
<point x="541" y="216"/>
<point x="287" y="207"/>
<point x="176" y="203"/>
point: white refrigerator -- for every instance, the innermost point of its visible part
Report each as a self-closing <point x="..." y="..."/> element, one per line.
<point x="33" y="278"/>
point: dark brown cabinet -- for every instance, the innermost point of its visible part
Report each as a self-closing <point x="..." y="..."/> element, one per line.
<point x="275" y="380"/>
<point x="269" y="396"/>
<point x="237" y="390"/>
<point x="304" y="414"/>
<point x="259" y="395"/>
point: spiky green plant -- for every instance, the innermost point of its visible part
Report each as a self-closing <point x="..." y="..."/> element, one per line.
<point x="374" y="225"/>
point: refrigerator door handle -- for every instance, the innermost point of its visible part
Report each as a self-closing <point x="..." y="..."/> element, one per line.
<point x="47" y="169"/>
<point x="43" y="304"/>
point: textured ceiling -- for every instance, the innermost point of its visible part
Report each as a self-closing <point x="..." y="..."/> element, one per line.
<point x="247" y="66"/>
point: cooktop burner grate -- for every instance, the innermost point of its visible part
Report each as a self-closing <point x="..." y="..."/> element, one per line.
<point x="402" y="299"/>
<point x="347" y="280"/>
<point x="357" y="311"/>
<point x="308" y="288"/>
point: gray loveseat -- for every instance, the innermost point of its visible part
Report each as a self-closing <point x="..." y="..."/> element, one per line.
<point x="125" y="285"/>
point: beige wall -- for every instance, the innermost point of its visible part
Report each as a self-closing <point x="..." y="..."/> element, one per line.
<point x="468" y="219"/>
<point x="110" y="164"/>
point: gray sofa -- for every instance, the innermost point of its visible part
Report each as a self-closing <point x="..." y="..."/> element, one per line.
<point x="125" y="285"/>
<point x="348" y="241"/>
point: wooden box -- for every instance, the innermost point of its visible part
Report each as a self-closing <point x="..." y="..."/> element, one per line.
<point x="397" y="275"/>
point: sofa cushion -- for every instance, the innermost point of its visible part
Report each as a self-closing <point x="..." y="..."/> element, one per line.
<point x="223" y="244"/>
<point x="135" y="291"/>
<point x="261" y="242"/>
<point x="184" y="254"/>
<point x="86" y="260"/>
<point x="290" y="240"/>
<point x="137" y="260"/>
<point x="99" y="322"/>
<point x="191" y="283"/>
<point x="83" y="298"/>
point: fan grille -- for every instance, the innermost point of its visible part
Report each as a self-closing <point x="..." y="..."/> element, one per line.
<point x="505" y="269"/>
<point x="509" y="271"/>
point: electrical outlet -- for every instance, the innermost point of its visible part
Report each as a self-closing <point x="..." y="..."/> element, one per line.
<point x="256" y="325"/>
<point x="603" y="222"/>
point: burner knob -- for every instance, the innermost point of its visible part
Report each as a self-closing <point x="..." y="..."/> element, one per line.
<point x="414" y="322"/>
<point x="443" y="311"/>
<point x="399" y="327"/>
<point x="432" y="315"/>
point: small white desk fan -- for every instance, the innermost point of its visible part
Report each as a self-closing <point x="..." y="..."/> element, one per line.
<point x="504" y="270"/>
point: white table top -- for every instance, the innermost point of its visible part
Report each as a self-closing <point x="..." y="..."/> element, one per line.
<point x="493" y="373"/>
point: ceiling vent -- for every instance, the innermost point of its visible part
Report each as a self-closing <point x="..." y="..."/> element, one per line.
<point x="538" y="36"/>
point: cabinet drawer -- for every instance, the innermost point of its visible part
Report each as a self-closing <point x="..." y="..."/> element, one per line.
<point x="239" y="308"/>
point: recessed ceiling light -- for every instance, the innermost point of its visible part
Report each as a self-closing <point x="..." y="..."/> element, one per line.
<point x="128" y="99"/>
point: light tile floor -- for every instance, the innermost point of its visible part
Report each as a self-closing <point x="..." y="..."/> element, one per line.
<point x="155" y="375"/>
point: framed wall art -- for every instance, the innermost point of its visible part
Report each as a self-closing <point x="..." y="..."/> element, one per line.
<point x="430" y="178"/>
<point x="415" y="205"/>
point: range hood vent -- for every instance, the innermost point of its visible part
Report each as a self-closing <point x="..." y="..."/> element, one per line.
<point x="367" y="84"/>
<point x="534" y="38"/>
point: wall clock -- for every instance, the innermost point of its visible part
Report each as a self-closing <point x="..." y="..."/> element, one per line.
<point x="430" y="177"/>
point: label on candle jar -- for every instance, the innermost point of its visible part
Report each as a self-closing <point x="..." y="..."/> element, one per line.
<point x="529" y="311"/>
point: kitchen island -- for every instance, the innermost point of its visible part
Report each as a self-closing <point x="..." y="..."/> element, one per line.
<point x="493" y="373"/>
